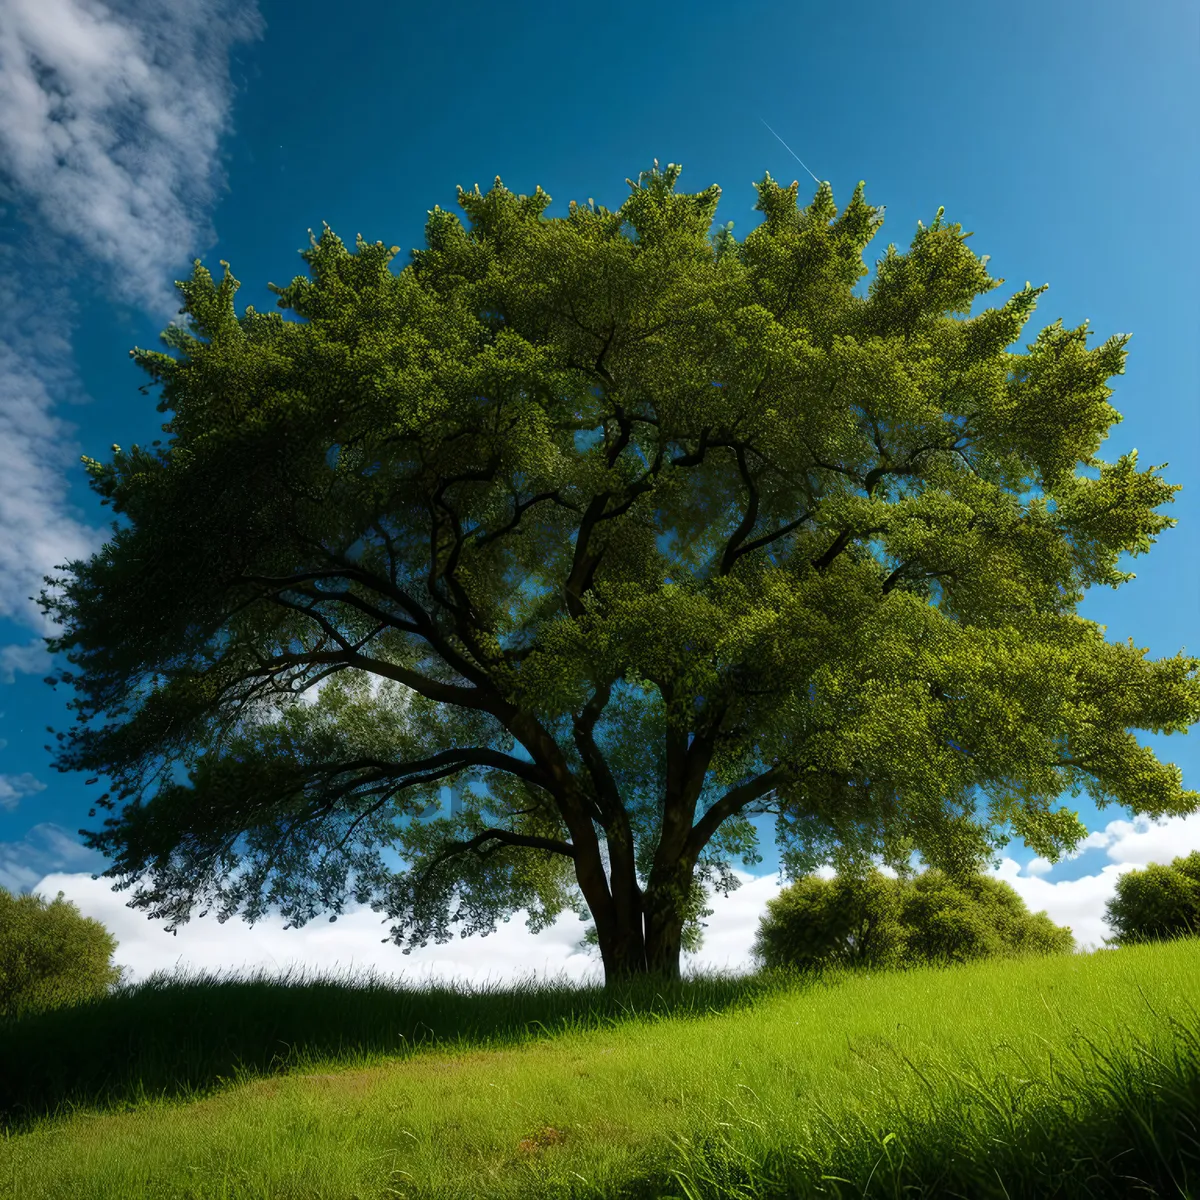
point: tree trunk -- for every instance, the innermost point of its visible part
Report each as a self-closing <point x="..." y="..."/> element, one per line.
<point x="644" y="946"/>
<point x="624" y="955"/>
<point x="664" y="944"/>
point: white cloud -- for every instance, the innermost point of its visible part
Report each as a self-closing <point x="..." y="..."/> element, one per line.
<point x="354" y="944"/>
<point x="12" y="787"/>
<point x="44" y="849"/>
<point x="30" y="659"/>
<point x="1143" y="841"/>
<point x="1077" y="903"/>
<point x="111" y="164"/>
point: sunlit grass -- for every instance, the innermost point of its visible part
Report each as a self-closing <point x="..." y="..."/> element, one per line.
<point x="1076" y="1075"/>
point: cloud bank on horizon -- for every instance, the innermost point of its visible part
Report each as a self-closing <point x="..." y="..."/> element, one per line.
<point x="355" y="943"/>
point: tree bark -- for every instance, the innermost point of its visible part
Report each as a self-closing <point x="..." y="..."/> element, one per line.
<point x="643" y="950"/>
<point x="647" y="943"/>
<point x="623" y="953"/>
<point x="664" y="942"/>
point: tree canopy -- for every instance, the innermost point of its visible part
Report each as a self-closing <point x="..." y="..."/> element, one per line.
<point x="646" y="530"/>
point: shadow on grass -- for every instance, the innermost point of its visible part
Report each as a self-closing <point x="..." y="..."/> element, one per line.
<point x="182" y="1039"/>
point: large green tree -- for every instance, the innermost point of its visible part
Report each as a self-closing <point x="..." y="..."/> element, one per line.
<point x="459" y="477"/>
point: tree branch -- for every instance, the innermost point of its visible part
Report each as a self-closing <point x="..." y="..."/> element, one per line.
<point x="842" y="540"/>
<point x="734" y="550"/>
<point x="748" y="521"/>
<point x="732" y="802"/>
<point x="483" y="539"/>
<point x="505" y="836"/>
<point x="611" y="811"/>
<point x="422" y="619"/>
<point x="364" y="606"/>
<point x="432" y="689"/>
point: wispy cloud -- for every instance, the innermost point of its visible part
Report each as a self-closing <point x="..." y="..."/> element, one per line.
<point x="13" y="787"/>
<point x="45" y="851"/>
<point x="28" y="659"/>
<point x="110" y="124"/>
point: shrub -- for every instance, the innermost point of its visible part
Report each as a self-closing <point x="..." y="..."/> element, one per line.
<point x="1157" y="903"/>
<point x="949" y="920"/>
<point x="51" y="955"/>
<point x="877" y="921"/>
<point x="851" y="921"/>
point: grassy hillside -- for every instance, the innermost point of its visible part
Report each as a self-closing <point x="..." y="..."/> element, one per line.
<point x="1076" y="1075"/>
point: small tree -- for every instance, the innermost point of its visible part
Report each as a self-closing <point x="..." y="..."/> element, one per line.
<point x="948" y="920"/>
<point x="51" y="955"/>
<point x="848" y="920"/>
<point x="1157" y="903"/>
<point x="876" y="921"/>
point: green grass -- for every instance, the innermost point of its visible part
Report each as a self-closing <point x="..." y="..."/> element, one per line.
<point x="1076" y="1075"/>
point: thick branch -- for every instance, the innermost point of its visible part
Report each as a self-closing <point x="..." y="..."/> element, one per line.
<point x="363" y="606"/>
<point x="508" y="838"/>
<point x="583" y="564"/>
<point x="732" y="802"/>
<point x="686" y="767"/>
<point x="419" y="771"/>
<point x="450" y="761"/>
<point x="695" y="458"/>
<point x="519" y="509"/>
<point x="842" y="540"/>
<point x="607" y="792"/>
<point x="328" y="627"/>
<point x="432" y="689"/>
<point x="353" y="572"/>
<point x="748" y="521"/>
<point x="734" y="550"/>
<point x="483" y="475"/>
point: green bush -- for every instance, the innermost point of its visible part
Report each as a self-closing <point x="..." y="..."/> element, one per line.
<point x="977" y="917"/>
<point x="1157" y="903"/>
<point x="850" y="921"/>
<point x="876" y="921"/>
<point x="51" y="955"/>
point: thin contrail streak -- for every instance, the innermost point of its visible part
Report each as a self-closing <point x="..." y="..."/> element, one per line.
<point x="790" y="151"/>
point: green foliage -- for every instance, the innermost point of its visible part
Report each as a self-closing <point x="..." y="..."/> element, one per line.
<point x="949" y="920"/>
<point x="1157" y="903"/>
<point x="847" y="921"/>
<point x="455" y="479"/>
<point x="50" y="955"/>
<point x="875" y="921"/>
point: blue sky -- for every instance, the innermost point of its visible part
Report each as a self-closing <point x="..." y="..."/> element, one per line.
<point x="133" y="139"/>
